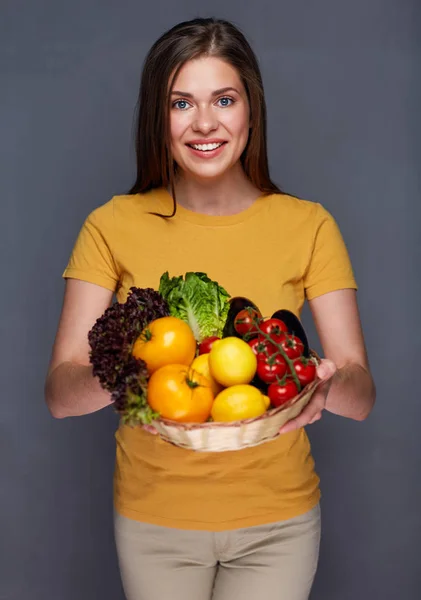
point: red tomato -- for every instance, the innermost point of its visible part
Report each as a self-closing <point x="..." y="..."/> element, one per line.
<point x="276" y="356"/>
<point x="292" y="346"/>
<point x="275" y="328"/>
<point x="245" y="321"/>
<point x="280" y="393"/>
<point x="206" y="344"/>
<point x="270" y="370"/>
<point x="261" y="348"/>
<point x="305" y="369"/>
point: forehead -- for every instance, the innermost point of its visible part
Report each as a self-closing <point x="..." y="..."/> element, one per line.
<point x="205" y="74"/>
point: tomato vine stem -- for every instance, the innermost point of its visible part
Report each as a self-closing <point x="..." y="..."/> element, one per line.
<point x="282" y="352"/>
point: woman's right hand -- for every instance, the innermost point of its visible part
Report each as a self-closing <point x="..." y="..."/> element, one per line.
<point x="150" y="429"/>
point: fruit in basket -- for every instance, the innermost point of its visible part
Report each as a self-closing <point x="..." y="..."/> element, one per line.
<point x="232" y="361"/>
<point x="236" y="305"/>
<point x="275" y="328"/>
<point x="164" y="341"/>
<point x="294" y="327"/>
<point x="261" y="348"/>
<point x="282" y="392"/>
<point x="305" y="369"/>
<point x="245" y="321"/>
<point x="206" y="344"/>
<point x="179" y="393"/>
<point x="238" y="402"/>
<point x="201" y="365"/>
<point x="267" y="401"/>
<point x="271" y="369"/>
<point x="293" y="346"/>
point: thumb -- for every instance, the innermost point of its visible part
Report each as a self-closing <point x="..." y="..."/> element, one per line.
<point x="326" y="369"/>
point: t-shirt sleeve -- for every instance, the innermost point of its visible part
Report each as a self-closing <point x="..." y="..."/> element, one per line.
<point x="92" y="257"/>
<point x="329" y="266"/>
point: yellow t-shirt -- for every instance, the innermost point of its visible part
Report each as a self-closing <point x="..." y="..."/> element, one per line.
<point x="278" y="252"/>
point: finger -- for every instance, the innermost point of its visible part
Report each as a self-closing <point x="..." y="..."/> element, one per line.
<point x="326" y="369"/>
<point x="150" y="428"/>
<point x="316" y="417"/>
<point x="310" y="411"/>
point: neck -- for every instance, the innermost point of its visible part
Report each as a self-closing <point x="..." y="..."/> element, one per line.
<point x="228" y="195"/>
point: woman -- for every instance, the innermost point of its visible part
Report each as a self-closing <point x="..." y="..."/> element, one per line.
<point x="233" y="524"/>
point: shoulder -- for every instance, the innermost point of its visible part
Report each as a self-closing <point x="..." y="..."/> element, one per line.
<point x="295" y="209"/>
<point x="102" y="215"/>
<point x="135" y="205"/>
<point x="126" y="208"/>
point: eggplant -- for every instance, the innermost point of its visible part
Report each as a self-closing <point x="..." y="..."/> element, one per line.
<point x="237" y="304"/>
<point x="294" y="327"/>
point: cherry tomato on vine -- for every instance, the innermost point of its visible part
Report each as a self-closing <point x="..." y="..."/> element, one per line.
<point x="280" y="393"/>
<point x="292" y="346"/>
<point x="305" y="370"/>
<point x="206" y="344"/>
<point x="275" y="328"/>
<point x="262" y="348"/>
<point x="245" y="321"/>
<point x="269" y="371"/>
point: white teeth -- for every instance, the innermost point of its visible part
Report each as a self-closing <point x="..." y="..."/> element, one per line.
<point x="206" y="147"/>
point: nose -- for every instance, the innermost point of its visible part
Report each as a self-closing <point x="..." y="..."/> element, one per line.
<point x="205" y="120"/>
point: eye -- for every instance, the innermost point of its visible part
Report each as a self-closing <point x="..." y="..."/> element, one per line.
<point x="180" y="104"/>
<point x="226" y="101"/>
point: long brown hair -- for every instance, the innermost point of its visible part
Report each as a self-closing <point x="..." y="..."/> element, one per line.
<point x="186" y="41"/>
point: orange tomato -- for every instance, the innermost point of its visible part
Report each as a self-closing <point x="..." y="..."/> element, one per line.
<point x="165" y="341"/>
<point x="179" y="393"/>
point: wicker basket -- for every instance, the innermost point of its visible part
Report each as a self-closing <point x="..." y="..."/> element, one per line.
<point x="221" y="437"/>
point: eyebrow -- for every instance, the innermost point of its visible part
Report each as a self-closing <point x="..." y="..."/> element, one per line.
<point x="215" y="93"/>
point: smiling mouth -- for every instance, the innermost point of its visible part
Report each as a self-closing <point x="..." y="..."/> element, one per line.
<point x="206" y="147"/>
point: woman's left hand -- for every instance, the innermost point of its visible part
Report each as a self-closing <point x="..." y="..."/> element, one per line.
<point x="313" y="411"/>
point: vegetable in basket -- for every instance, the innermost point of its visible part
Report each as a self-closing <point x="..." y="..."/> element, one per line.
<point x="111" y="341"/>
<point x="198" y="300"/>
<point x="285" y="364"/>
<point x="193" y="314"/>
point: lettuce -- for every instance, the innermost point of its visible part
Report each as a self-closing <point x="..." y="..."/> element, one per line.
<point x="111" y="342"/>
<point x="198" y="300"/>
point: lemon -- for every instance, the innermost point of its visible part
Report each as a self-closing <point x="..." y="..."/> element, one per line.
<point x="201" y="365"/>
<point x="267" y="401"/>
<point x="238" y="402"/>
<point x="232" y="361"/>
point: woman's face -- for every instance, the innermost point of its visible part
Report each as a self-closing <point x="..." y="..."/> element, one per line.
<point x="209" y="117"/>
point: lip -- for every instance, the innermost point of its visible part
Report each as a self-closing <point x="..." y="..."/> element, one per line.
<point x="211" y="141"/>
<point x="209" y="153"/>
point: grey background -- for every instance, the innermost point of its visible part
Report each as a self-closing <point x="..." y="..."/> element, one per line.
<point x="343" y="86"/>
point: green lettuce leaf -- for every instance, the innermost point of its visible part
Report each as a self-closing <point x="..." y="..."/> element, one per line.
<point x="198" y="300"/>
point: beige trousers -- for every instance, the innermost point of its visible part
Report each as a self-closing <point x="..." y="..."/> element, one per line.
<point x="273" y="562"/>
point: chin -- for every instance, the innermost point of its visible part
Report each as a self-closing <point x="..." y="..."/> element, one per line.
<point x="207" y="172"/>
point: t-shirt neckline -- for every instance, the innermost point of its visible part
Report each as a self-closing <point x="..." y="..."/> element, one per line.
<point x="186" y="214"/>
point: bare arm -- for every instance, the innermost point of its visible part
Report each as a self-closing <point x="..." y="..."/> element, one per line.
<point x="349" y="390"/>
<point x="352" y="391"/>
<point x="70" y="388"/>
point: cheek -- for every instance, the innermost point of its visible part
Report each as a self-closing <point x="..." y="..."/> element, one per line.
<point x="238" y="123"/>
<point x="177" y="127"/>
